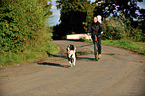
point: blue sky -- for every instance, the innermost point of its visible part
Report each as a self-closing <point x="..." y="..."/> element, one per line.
<point x="56" y="13"/>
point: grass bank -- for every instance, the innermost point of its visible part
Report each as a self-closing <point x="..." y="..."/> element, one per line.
<point x="29" y="55"/>
<point x="138" y="47"/>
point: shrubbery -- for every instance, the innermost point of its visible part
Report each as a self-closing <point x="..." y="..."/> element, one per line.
<point x="22" y="22"/>
<point x="117" y="28"/>
<point x="23" y="27"/>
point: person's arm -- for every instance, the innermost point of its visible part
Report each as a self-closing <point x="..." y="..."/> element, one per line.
<point x="89" y="30"/>
<point x="101" y="28"/>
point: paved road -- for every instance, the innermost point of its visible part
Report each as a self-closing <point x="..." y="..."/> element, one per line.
<point x="117" y="73"/>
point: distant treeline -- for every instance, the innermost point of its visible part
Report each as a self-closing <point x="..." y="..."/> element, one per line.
<point x="76" y="15"/>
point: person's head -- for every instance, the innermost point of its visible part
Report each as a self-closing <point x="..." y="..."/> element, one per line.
<point x="95" y="19"/>
<point x="99" y="17"/>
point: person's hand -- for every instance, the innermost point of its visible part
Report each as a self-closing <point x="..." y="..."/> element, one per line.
<point x="88" y="34"/>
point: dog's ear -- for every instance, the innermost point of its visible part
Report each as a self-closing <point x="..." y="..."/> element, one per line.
<point x="67" y="47"/>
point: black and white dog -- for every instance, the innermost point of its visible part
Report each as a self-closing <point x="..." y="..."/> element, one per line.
<point x="71" y="54"/>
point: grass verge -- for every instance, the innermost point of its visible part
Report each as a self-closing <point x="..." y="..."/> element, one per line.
<point x="138" y="47"/>
<point x="29" y="55"/>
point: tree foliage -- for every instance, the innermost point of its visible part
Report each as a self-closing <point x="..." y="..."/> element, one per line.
<point x="22" y="23"/>
<point x="128" y="7"/>
<point x="120" y="28"/>
<point x="142" y="19"/>
<point x="75" y="16"/>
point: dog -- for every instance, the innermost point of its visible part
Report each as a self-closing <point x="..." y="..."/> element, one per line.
<point x="71" y="54"/>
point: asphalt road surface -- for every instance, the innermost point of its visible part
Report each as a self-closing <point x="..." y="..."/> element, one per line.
<point x="118" y="73"/>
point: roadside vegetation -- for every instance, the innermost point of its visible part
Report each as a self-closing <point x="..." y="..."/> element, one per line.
<point x="137" y="47"/>
<point x="25" y="34"/>
<point x="120" y="29"/>
<point x="118" y="32"/>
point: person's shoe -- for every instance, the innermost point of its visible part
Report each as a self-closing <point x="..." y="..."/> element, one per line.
<point x="70" y="65"/>
<point x="99" y="56"/>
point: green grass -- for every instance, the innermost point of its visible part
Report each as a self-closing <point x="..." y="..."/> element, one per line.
<point x="29" y="55"/>
<point x="138" y="47"/>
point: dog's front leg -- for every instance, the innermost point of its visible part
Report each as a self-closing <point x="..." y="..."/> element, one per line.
<point x="74" y="63"/>
<point x="70" y="60"/>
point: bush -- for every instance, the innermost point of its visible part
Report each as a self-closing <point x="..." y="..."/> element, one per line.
<point x="22" y="22"/>
<point x="23" y="29"/>
<point x="117" y="28"/>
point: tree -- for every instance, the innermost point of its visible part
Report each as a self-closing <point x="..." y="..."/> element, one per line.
<point x="22" y="23"/>
<point x="75" y="15"/>
<point x="142" y="19"/>
<point x="127" y="7"/>
<point x="117" y="28"/>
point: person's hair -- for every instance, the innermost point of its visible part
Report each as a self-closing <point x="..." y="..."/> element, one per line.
<point x="99" y="17"/>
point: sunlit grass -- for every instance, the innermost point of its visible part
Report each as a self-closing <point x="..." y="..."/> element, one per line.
<point x="29" y="55"/>
<point x="138" y="47"/>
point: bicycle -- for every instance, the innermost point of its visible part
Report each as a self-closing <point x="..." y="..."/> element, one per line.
<point x="96" y="48"/>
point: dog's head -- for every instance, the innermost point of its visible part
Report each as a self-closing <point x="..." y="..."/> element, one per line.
<point x="70" y="47"/>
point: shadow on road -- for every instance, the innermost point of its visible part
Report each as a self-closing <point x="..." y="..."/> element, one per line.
<point x="63" y="55"/>
<point x="85" y="58"/>
<point x="85" y="45"/>
<point x="54" y="64"/>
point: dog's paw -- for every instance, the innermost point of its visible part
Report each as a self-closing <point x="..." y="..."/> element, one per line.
<point x="69" y="62"/>
<point x="71" y="65"/>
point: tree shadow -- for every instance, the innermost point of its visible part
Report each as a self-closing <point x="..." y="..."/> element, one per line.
<point x="85" y="58"/>
<point x="62" y="55"/>
<point x="108" y="54"/>
<point x="54" y="64"/>
<point x="85" y="45"/>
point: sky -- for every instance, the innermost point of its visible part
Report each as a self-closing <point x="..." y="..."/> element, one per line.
<point x="56" y="13"/>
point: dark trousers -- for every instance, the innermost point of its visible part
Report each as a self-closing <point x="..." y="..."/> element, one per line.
<point x="97" y="45"/>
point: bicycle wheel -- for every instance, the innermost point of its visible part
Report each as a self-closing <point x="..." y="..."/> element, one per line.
<point x="96" y="51"/>
<point x="96" y="56"/>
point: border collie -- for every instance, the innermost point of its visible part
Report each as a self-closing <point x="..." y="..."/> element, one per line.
<point x="71" y="54"/>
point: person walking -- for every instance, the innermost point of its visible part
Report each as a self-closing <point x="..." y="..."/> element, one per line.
<point x="96" y="29"/>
